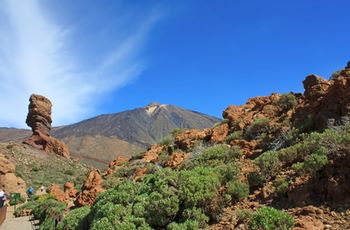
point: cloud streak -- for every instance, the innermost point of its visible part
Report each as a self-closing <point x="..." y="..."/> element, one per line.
<point x="35" y="58"/>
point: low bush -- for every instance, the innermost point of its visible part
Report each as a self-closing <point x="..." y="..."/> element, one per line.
<point x="238" y="190"/>
<point x="281" y="185"/>
<point x="75" y="220"/>
<point x="267" y="218"/>
<point x="259" y="127"/>
<point x="287" y="101"/>
<point x="234" y="136"/>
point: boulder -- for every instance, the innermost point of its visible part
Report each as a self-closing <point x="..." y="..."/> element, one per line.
<point x="6" y="166"/>
<point x="69" y="190"/>
<point x="308" y="223"/>
<point x="91" y="188"/>
<point x="176" y="159"/>
<point x="187" y="139"/>
<point x="219" y="133"/>
<point x="10" y="183"/>
<point x="152" y="154"/>
<point x="56" y="191"/>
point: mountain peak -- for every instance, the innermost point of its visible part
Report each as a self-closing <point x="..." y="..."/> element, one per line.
<point x="152" y="107"/>
<point x="152" y="104"/>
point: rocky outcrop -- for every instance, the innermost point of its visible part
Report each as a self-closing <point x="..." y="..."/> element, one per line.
<point x="116" y="163"/>
<point x="39" y="119"/>
<point x="326" y="103"/>
<point x="187" y="139"/>
<point x="176" y="159"/>
<point x="9" y="182"/>
<point x="91" y="188"/>
<point x="152" y="154"/>
<point x="69" y="190"/>
<point x="56" y="191"/>
<point x="219" y="133"/>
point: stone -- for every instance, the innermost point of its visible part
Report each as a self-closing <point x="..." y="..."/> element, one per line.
<point x="69" y="190"/>
<point x="308" y="223"/>
<point x="91" y="188"/>
<point x="187" y="139"/>
<point x="6" y="166"/>
<point x="219" y="133"/>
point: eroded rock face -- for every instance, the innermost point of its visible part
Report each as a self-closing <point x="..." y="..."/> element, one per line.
<point x="219" y="133"/>
<point x="9" y="182"/>
<point x="188" y="138"/>
<point x="39" y="114"/>
<point x="176" y="159"/>
<point x="91" y="188"/>
<point x="326" y="103"/>
<point x="39" y="119"/>
<point x="152" y="154"/>
<point x="116" y="164"/>
<point x="69" y="190"/>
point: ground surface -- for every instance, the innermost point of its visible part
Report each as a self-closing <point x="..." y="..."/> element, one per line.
<point x="20" y="223"/>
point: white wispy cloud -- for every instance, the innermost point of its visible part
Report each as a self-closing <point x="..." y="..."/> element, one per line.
<point x="35" y="58"/>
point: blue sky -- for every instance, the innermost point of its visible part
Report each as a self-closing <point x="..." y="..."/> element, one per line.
<point x="93" y="57"/>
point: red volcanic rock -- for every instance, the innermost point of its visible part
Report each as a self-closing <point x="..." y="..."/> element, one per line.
<point x="176" y="159"/>
<point x="39" y="119"/>
<point x="91" y="188"/>
<point x="308" y="223"/>
<point x="9" y="182"/>
<point x="119" y="161"/>
<point x="219" y="133"/>
<point x="39" y="115"/>
<point x="6" y="166"/>
<point x="69" y="190"/>
<point x="152" y="154"/>
<point x="188" y="138"/>
<point x="56" y="191"/>
<point x="115" y="164"/>
<point x="139" y="173"/>
<point x="326" y="103"/>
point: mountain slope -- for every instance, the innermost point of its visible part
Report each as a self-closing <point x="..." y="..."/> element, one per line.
<point x="141" y="126"/>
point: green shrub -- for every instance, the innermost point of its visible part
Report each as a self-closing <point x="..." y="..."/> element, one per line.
<point x="138" y="205"/>
<point x="69" y="172"/>
<point x="281" y="186"/>
<point x="228" y="172"/>
<point x="198" y="186"/>
<point x="75" y="220"/>
<point x="269" y="164"/>
<point x="316" y="161"/>
<point x="267" y="218"/>
<point x="187" y="225"/>
<point x="234" y="136"/>
<point x="259" y="127"/>
<point x="287" y="101"/>
<point x="244" y="215"/>
<point x="167" y="141"/>
<point x="197" y="215"/>
<point x="237" y="190"/>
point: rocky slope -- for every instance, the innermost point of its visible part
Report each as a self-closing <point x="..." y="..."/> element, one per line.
<point x="290" y="152"/>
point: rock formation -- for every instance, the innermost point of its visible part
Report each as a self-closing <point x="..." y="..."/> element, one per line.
<point x="39" y="119"/>
<point x="326" y="103"/>
<point x="91" y="188"/>
<point x="9" y="182"/>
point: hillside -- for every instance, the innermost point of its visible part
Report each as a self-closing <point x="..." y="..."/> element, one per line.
<point x="276" y="162"/>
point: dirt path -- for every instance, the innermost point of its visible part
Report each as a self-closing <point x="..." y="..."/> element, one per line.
<point x="20" y="223"/>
